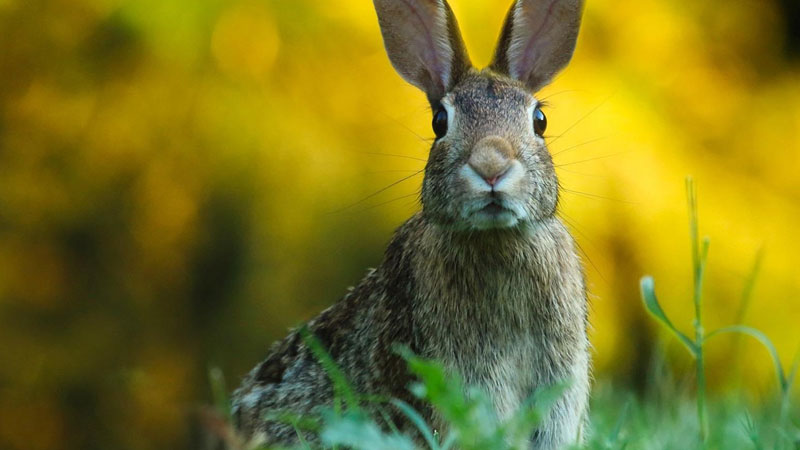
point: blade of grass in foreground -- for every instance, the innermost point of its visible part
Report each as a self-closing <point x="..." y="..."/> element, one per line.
<point x="784" y="381"/>
<point x="765" y="341"/>
<point x="341" y="387"/>
<point x="749" y="287"/>
<point x="699" y="250"/>
<point x="699" y="258"/>
<point x="647" y="285"/>
<point x="418" y="422"/>
<point x="219" y="392"/>
<point x="355" y="430"/>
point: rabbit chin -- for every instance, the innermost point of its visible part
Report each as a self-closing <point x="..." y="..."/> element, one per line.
<point x="492" y="214"/>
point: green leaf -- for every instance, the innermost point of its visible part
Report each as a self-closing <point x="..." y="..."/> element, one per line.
<point x="303" y="422"/>
<point x="449" y="441"/>
<point x="419" y="422"/>
<point x="793" y="369"/>
<point x="469" y="412"/>
<point x="355" y="430"/>
<point x="533" y="411"/>
<point x="765" y="341"/>
<point x="341" y="387"/>
<point x="751" y="430"/>
<point x="444" y="391"/>
<point x="749" y="286"/>
<point x="613" y="437"/>
<point x="219" y="392"/>
<point x="654" y="308"/>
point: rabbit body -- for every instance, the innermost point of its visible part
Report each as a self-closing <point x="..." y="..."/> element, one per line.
<point x="505" y="310"/>
<point x="485" y="279"/>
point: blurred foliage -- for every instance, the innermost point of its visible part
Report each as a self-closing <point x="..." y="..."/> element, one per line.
<point x="182" y="180"/>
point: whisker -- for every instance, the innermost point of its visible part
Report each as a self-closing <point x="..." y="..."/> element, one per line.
<point x="580" y="120"/>
<point x="587" y="194"/>
<point x="577" y="145"/>
<point x="387" y="202"/>
<point x="372" y="172"/>
<point x="593" y="175"/>
<point x="394" y="155"/>
<point x="590" y="159"/>
<point x="378" y="192"/>
<point x="574" y="225"/>
<point x="421" y="138"/>
<point x="558" y="93"/>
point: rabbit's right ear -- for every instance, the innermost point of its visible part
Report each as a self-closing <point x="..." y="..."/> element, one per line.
<point x="423" y="43"/>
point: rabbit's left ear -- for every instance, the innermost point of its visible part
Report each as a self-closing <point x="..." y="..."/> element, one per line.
<point x="423" y="43"/>
<point x="537" y="40"/>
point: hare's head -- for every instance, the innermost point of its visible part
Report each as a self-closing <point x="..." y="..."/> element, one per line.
<point x="489" y="166"/>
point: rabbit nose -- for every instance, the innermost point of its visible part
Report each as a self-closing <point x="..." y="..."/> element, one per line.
<point x="491" y="158"/>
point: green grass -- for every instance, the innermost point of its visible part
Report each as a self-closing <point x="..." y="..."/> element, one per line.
<point x="697" y="345"/>
<point x="670" y="414"/>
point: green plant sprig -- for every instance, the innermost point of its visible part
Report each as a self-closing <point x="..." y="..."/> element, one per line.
<point x="696" y="346"/>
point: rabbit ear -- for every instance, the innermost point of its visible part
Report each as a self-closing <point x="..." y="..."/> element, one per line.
<point x="537" y="40"/>
<point x="423" y="43"/>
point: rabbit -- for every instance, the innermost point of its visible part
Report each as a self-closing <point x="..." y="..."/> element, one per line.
<point x="485" y="279"/>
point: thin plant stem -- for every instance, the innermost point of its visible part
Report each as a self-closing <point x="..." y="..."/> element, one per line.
<point x="786" y="393"/>
<point x="699" y="255"/>
<point x="741" y="312"/>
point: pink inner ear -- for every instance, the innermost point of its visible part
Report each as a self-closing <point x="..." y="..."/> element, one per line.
<point x="424" y="26"/>
<point x="418" y="40"/>
<point x="527" y="38"/>
<point x="539" y="39"/>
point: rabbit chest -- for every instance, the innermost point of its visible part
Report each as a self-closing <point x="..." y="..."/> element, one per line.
<point x="507" y="313"/>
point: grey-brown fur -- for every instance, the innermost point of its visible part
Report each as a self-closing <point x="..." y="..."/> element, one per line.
<point x="485" y="279"/>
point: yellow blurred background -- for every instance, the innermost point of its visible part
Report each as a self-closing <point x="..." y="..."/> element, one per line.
<point x="180" y="181"/>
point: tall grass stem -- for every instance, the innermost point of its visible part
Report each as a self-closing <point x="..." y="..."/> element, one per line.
<point x="699" y="257"/>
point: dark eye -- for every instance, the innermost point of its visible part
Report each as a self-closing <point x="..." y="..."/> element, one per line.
<point x="539" y="122"/>
<point x="440" y="122"/>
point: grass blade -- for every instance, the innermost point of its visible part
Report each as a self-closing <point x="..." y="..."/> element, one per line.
<point x="533" y="411"/>
<point x="765" y="341"/>
<point x="751" y="430"/>
<point x="354" y="430"/>
<point x="418" y="422"/>
<point x="654" y="308"/>
<point x="613" y="437"/>
<point x="219" y="392"/>
<point x="749" y="287"/>
<point x="449" y="441"/>
<point x="341" y="386"/>
<point x="793" y="369"/>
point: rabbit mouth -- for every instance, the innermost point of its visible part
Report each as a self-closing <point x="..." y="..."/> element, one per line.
<point x="491" y="213"/>
<point x="493" y="208"/>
